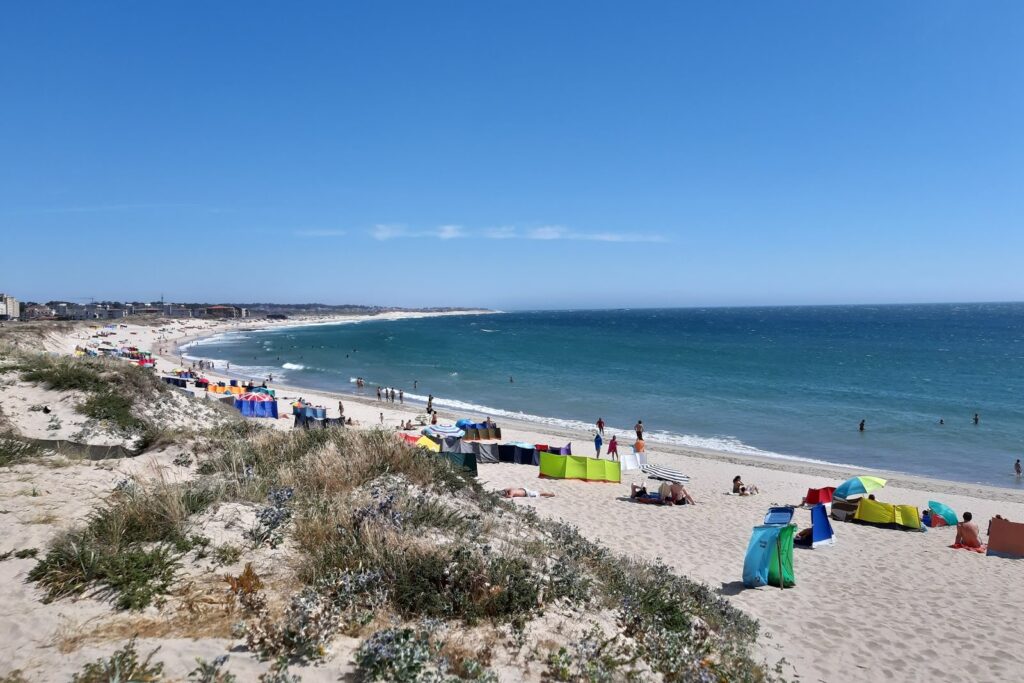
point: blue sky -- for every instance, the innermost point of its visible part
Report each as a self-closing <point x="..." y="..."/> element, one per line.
<point x="513" y="154"/>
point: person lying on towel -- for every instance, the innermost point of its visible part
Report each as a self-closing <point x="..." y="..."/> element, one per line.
<point x="967" y="533"/>
<point x="668" y="494"/>
<point x="525" y="493"/>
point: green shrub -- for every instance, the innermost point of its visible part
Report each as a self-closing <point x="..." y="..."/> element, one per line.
<point x="211" y="672"/>
<point x="226" y="554"/>
<point x="399" y="655"/>
<point x="62" y="374"/>
<point x="133" y="577"/>
<point x="122" y="667"/>
<point x="14" y="449"/>
<point x="113" y="408"/>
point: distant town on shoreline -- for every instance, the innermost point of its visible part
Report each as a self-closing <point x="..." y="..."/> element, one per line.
<point x="13" y="309"/>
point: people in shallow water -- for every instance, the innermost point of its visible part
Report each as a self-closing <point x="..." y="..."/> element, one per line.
<point x="861" y="427"/>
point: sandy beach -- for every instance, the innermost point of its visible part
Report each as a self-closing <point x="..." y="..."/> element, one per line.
<point x="880" y="605"/>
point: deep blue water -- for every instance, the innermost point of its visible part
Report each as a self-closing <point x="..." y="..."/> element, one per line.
<point x="790" y="380"/>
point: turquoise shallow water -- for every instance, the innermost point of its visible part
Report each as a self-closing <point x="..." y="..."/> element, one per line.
<point x="788" y="381"/>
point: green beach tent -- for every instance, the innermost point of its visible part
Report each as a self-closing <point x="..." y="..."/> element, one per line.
<point x="769" y="560"/>
<point x="554" y="466"/>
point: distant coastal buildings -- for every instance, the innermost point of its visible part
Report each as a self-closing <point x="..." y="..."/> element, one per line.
<point x="114" y="310"/>
<point x="10" y="309"/>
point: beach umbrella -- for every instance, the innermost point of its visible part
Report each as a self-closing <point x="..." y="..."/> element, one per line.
<point x="857" y="486"/>
<point x="443" y="431"/>
<point x="429" y="444"/>
<point x="664" y="474"/>
<point x="943" y="511"/>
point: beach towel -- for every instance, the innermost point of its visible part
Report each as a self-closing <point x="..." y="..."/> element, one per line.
<point x="960" y="546"/>
<point x="664" y="473"/>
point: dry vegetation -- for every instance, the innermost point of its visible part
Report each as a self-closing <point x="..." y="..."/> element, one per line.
<point x="356" y="534"/>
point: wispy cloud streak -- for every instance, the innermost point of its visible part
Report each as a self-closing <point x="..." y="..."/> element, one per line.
<point x="547" y="232"/>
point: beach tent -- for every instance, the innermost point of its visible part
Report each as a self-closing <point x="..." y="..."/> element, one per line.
<point x="518" y="453"/>
<point x="632" y="461"/>
<point x="815" y="496"/>
<point x="821" y="528"/>
<point x="466" y="461"/>
<point x="256" y="405"/>
<point x="887" y="515"/>
<point x="664" y="473"/>
<point x="441" y="431"/>
<point x="428" y="443"/>
<point x="769" y="559"/>
<point x="1005" y="538"/>
<point x="409" y="438"/>
<point x="554" y="466"/>
<point x="484" y="452"/>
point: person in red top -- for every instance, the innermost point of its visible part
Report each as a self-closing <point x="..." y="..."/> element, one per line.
<point x="613" y="448"/>
<point x="600" y="426"/>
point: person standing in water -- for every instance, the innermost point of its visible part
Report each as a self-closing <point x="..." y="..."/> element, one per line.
<point x="976" y="419"/>
<point x="639" y="428"/>
<point x="1016" y="467"/>
<point x="861" y="427"/>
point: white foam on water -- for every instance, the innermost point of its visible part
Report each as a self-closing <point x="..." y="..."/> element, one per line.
<point x="293" y="366"/>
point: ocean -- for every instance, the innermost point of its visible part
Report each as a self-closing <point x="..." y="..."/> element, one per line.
<point x="785" y="382"/>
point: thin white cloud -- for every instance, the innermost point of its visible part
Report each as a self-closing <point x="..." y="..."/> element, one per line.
<point x="502" y="233"/>
<point x="388" y="232"/>
<point x="450" y="232"/>
<point x="319" y="233"/>
<point x="546" y="232"/>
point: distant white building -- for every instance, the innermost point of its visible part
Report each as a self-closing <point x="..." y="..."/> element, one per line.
<point x="175" y="311"/>
<point x="10" y="308"/>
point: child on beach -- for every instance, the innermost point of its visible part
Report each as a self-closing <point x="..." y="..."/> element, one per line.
<point x="597" y="444"/>
<point x="613" y="448"/>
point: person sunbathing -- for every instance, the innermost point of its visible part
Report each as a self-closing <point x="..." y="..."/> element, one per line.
<point x="525" y="493"/>
<point x="680" y="496"/>
<point x="640" y="495"/>
<point x="967" y="533"/>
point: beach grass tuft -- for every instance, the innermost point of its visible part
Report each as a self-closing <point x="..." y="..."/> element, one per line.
<point x="123" y="665"/>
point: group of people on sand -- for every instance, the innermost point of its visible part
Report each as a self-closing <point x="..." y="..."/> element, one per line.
<point x="613" y="445"/>
<point x="669" y="493"/>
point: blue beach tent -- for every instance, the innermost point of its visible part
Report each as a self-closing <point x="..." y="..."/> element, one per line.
<point x="769" y="560"/>
<point x="821" y="528"/>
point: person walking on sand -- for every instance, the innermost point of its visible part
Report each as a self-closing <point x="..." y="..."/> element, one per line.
<point x="861" y="427"/>
<point x="430" y="403"/>
<point x="378" y="393"/>
<point x="613" y="448"/>
<point x="597" y="444"/>
<point x="639" y="427"/>
<point x="600" y="426"/>
<point x="382" y="418"/>
<point x="401" y="397"/>
<point x="341" y="410"/>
